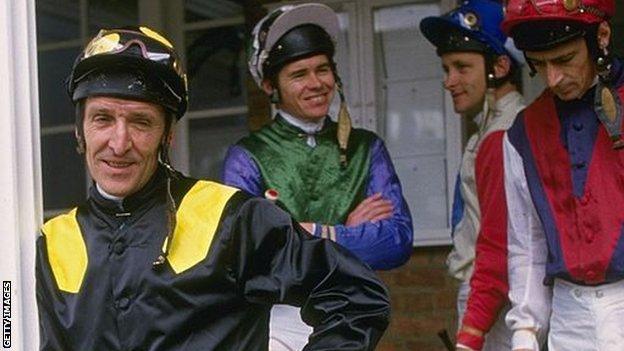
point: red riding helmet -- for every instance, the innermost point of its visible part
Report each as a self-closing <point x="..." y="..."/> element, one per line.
<point x="542" y="24"/>
<point x="585" y="11"/>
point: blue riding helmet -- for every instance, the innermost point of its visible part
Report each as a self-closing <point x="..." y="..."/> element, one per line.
<point x="472" y="26"/>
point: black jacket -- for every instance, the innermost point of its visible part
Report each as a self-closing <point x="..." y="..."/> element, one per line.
<point x="232" y="256"/>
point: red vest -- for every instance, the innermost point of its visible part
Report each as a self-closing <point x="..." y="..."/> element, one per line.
<point x="588" y="229"/>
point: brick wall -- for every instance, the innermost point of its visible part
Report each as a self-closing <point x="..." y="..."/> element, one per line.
<point x="423" y="302"/>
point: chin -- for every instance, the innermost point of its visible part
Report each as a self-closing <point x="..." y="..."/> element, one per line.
<point x="315" y="117"/>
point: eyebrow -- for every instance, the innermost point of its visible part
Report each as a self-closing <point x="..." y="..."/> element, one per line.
<point x="301" y="70"/>
<point x="98" y="109"/>
<point x="105" y="110"/>
<point x="572" y="52"/>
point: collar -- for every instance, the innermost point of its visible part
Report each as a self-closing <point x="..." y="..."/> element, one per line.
<point x="306" y="127"/>
<point x="510" y="98"/>
<point x="507" y="101"/>
<point x="108" y="196"/>
<point x="129" y="204"/>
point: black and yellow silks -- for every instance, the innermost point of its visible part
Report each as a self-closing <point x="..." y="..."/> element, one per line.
<point x="289" y="165"/>
<point x="231" y="258"/>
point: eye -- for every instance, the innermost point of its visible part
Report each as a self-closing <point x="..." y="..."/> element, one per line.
<point x="536" y="63"/>
<point x="324" y="69"/>
<point x="463" y="68"/>
<point x="142" y="123"/>
<point x="565" y="59"/>
<point x="101" y="118"/>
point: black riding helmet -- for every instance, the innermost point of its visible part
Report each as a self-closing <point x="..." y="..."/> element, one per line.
<point x="130" y="62"/>
<point x="299" y="42"/>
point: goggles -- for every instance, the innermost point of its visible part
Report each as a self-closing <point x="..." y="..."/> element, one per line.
<point x="514" y="8"/>
<point x="151" y="45"/>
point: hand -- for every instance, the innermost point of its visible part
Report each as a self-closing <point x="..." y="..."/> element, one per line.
<point x="374" y="208"/>
<point x="462" y="349"/>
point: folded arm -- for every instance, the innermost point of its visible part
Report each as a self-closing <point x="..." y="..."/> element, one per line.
<point x="279" y="262"/>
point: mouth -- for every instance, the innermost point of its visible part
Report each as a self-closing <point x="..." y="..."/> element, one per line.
<point x="457" y="95"/>
<point x="317" y="99"/>
<point x="118" y="164"/>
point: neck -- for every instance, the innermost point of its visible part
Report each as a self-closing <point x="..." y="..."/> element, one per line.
<point x="503" y="90"/>
<point x="306" y="126"/>
<point x="107" y="195"/>
<point x="499" y="93"/>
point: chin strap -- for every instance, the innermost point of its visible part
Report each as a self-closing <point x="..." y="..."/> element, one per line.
<point x="489" y="103"/>
<point x="170" y="173"/>
<point x="344" y="124"/>
<point x="607" y="104"/>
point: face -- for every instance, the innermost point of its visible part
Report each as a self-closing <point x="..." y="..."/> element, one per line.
<point x="566" y="69"/>
<point x="122" y="138"/>
<point x="465" y="80"/>
<point x="306" y="88"/>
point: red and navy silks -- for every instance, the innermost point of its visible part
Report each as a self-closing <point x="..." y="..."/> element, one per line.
<point x="580" y="201"/>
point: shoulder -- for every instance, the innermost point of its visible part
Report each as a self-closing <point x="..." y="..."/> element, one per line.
<point x="205" y="194"/>
<point x="364" y="134"/>
<point x="362" y="137"/>
<point x="258" y="135"/>
<point x="61" y="224"/>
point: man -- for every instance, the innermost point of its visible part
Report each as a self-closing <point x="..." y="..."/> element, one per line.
<point x="482" y="73"/>
<point x="563" y="179"/>
<point x="154" y="260"/>
<point x="338" y="182"/>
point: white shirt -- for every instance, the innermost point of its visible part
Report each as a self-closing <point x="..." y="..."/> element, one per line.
<point x="528" y="252"/>
<point x="309" y="127"/>
<point x="460" y="260"/>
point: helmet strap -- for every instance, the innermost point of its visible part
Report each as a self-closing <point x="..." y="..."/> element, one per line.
<point x="275" y="96"/>
<point x="489" y="103"/>
<point x="604" y="62"/>
<point x="170" y="173"/>
<point x="344" y="120"/>
<point x="607" y="103"/>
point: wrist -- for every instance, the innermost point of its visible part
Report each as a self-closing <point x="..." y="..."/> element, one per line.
<point x="469" y="337"/>
<point x="328" y="232"/>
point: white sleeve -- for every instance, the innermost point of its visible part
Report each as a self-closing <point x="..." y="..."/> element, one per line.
<point x="530" y="298"/>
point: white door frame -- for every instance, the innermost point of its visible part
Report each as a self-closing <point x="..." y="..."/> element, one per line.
<point x="20" y="178"/>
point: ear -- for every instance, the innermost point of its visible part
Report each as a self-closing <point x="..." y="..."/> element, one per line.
<point x="168" y="139"/>
<point x="604" y="35"/>
<point x="502" y="66"/>
<point x="171" y="134"/>
<point x="267" y="87"/>
<point x="80" y="147"/>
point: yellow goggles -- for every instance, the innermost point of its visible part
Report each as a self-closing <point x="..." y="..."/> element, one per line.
<point x="153" y="46"/>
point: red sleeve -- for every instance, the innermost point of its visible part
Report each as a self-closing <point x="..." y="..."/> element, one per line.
<point x="488" y="285"/>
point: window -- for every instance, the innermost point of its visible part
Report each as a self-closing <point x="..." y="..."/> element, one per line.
<point x="214" y="42"/>
<point x="63" y="27"/>
<point x="421" y="132"/>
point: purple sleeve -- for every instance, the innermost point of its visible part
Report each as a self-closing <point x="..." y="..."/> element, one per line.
<point x="386" y="244"/>
<point x="240" y="171"/>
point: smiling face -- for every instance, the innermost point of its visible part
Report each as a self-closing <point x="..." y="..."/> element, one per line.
<point x="306" y="88"/>
<point x="566" y="69"/>
<point x="465" y="80"/>
<point x="122" y="138"/>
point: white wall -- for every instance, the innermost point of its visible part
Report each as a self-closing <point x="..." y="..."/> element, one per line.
<point x="20" y="179"/>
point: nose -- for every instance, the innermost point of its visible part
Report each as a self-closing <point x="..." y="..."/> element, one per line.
<point x="120" y="141"/>
<point x="314" y="81"/>
<point x="553" y="76"/>
<point x="450" y="80"/>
